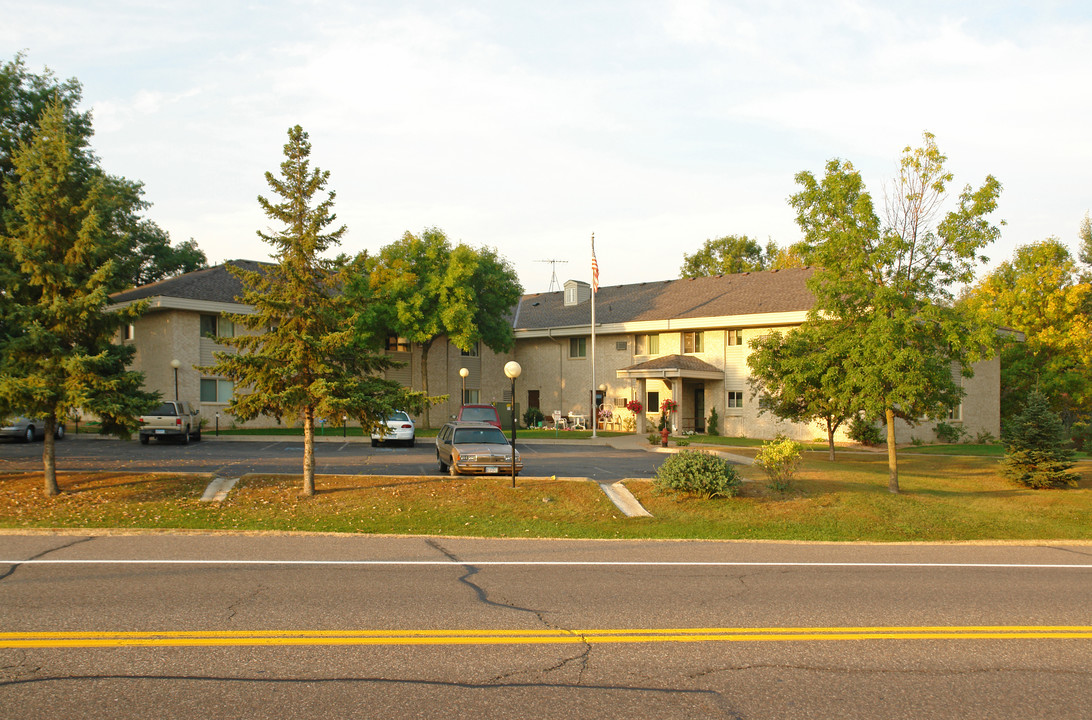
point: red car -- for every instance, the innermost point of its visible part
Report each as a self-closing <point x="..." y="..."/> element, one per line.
<point x="479" y="413"/>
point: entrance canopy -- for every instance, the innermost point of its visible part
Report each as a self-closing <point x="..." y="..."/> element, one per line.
<point x="669" y="367"/>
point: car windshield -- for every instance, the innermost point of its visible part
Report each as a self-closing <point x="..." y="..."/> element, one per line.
<point x="482" y="414"/>
<point x="165" y="409"/>
<point x="490" y="435"/>
<point x="398" y="416"/>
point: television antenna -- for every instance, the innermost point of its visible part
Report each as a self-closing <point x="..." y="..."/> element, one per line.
<point x="554" y="284"/>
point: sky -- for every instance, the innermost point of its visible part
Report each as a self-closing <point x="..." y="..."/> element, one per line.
<point x="529" y="126"/>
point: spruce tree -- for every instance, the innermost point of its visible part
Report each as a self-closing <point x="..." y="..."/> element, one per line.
<point x="1035" y="452"/>
<point x="305" y="357"/>
<point x="56" y="349"/>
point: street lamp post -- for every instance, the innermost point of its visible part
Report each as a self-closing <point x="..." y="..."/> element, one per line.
<point x="512" y="370"/>
<point x="598" y="406"/>
<point x="463" y="372"/>
<point x="176" y="364"/>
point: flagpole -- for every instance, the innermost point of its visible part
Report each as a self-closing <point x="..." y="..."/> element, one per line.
<point x="595" y="290"/>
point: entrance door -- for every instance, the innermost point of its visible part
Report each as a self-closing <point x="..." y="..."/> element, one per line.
<point x="699" y="408"/>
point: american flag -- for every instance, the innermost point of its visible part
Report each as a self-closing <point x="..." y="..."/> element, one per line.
<point x="594" y="269"/>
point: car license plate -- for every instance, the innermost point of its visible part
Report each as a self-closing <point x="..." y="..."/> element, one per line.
<point x="491" y="468"/>
<point x="160" y="432"/>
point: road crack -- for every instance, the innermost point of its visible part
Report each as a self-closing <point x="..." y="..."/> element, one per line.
<point x="17" y="565"/>
<point x="581" y="658"/>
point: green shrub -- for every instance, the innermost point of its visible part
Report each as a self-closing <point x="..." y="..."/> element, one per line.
<point x="714" y="421"/>
<point x="984" y="437"/>
<point x="696" y="472"/>
<point x="1082" y="436"/>
<point x="864" y="431"/>
<point x="779" y="459"/>
<point x="682" y="443"/>
<point x="654" y="438"/>
<point x="949" y="433"/>
<point x="533" y="417"/>
<point x="1035" y="453"/>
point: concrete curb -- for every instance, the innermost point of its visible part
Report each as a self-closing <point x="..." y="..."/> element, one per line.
<point x="623" y="499"/>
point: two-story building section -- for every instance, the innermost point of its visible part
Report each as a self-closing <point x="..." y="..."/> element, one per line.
<point x="681" y="340"/>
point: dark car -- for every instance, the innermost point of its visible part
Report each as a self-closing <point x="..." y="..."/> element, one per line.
<point x="474" y="448"/>
<point x="479" y="413"/>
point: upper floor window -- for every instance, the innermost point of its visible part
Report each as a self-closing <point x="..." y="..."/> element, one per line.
<point x="578" y="347"/>
<point x="735" y="399"/>
<point x="472" y="352"/>
<point x="693" y="342"/>
<point x="397" y="344"/>
<point x="216" y="391"/>
<point x="735" y="337"/>
<point x="648" y="344"/>
<point x="216" y="326"/>
<point x="128" y="332"/>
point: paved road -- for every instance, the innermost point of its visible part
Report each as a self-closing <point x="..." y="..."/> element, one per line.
<point x="317" y="627"/>
<point x="233" y="458"/>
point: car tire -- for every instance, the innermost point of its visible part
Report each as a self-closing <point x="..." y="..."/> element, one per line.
<point x="28" y="436"/>
<point x="186" y="437"/>
<point x="441" y="463"/>
<point x="197" y="435"/>
<point x="144" y="439"/>
<point x="375" y="443"/>
<point x="58" y="433"/>
<point x="412" y="442"/>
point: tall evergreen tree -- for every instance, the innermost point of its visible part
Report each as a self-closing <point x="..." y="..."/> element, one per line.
<point x="304" y="357"/>
<point x="142" y="250"/>
<point x="56" y="349"/>
<point x="1035" y="452"/>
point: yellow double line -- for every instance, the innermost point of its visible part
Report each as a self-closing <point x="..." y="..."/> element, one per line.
<point x="200" y="638"/>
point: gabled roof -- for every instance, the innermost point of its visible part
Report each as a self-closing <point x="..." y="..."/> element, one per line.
<point x="750" y="293"/>
<point x="214" y="284"/>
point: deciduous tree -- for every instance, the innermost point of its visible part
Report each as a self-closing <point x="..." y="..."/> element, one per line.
<point x="427" y="289"/>
<point x="889" y="283"/>
<point x="1040" y="292"/>
<point x="800" y="375"/>
<point x="56" y="271"/>
<point x="728" y="254"/>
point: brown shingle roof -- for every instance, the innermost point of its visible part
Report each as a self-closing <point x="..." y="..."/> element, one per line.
<point x="675" y="362"/>
<point x="214" y="284"/>
<point x="739" y="294"/>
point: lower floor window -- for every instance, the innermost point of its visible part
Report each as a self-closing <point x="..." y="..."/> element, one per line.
<point x="735" y="399"/>
<point x="216" y="391"/>
<point x="472" y="397"/>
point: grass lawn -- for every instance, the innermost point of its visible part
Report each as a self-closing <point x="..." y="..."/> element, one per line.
<point x="943" y="499"/>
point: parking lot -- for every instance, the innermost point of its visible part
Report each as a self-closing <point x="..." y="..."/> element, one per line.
<point x="240" y="455"/>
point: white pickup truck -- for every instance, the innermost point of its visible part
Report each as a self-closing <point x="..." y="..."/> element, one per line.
<point x="176" y="420"/>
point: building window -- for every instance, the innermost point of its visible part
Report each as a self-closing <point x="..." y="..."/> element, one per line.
<point x="956" y="414"/>
<point x="397" y="344"/>
<point x="215" y="326"/>
<point x="693" y="342"/>
<point x="578" y="347"/>
<point x="472" y="397"/>
<point x="735" y="399"/>
<point x="570" y="296"/>
<point x="472" y="352"/>
<point x="621" y="345"/>
<point x="653" y="398"/>
<point x="648" y="344"/>
<point x="735" y="337"/>
<point x="216" y="391"/>
<point x="128" y="331"/>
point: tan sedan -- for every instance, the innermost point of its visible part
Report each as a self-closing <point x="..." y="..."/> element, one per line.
<point x="474" y="448"/>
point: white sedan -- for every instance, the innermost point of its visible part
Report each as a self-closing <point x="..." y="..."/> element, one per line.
<point x="399" y="428"/>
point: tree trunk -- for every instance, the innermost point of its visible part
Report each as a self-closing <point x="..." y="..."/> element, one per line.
<point x="830" y="439"/>
<point x="892" y="456"/>
<point x="425" y="347"/>
<point x="309" y="451"/>
<point x="49" y="456"/>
